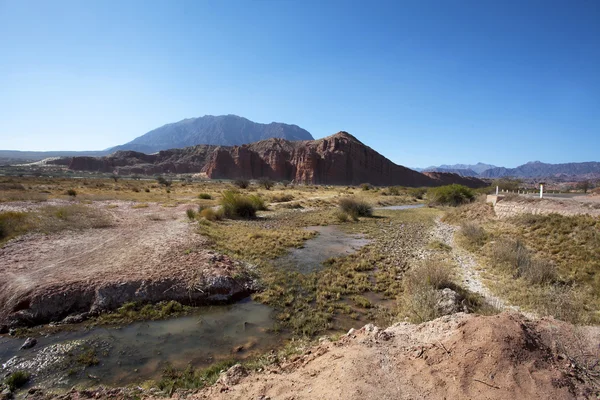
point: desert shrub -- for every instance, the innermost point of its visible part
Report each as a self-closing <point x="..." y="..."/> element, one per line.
<point x="539" y="271"/>
<point x="17" y="379"/>
<point x="191" y="214"/>
<point x="341" y="216"/>
<point x="393" y="191"/>
<point x="285" y="183"/>
<point x="235" y="205"/>
<point x="164" y="182"/>
<point x="355" y="208"/>
<point x="451" y="195"/>
<point x="211" y="214"/>
<point x="474" y="234"/>
<point x="242" y="183"/>
<point x="257" y="202"/>
<point x="12" y="223"/>
<point x="204" y="196"/>
<point x="147" y="190"/>
<point x="136" y="190"/>
<point x="366" y="186"/>
<point x="421" y="290"/>
<point x="563" y="303"/>
<point x="71" y="192"/>
<point x="519" y="260"/>
<point x="282" y="198"/>
<point x="265" y="182"/>
<point x="417" y="193"/>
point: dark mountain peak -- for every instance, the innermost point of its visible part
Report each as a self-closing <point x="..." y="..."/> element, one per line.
<point x="223" y="130"/>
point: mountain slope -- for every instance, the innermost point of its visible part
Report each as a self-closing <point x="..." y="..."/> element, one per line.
<point x="340" y="159"/>
<point x="226" y="130"/>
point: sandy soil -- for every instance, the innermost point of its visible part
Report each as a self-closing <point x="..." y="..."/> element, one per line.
<point x="145" y="246"/>
<point x="454" y="357"/>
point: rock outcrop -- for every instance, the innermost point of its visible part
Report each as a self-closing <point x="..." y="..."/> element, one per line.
<point x="340" y="159"/>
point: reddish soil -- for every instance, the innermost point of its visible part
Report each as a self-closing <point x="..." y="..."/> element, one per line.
<point x="454" y="357"/>
<point x="149" y="254"/>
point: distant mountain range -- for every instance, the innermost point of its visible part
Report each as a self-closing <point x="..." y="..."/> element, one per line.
<point x="533" y="169"/>
<point x="223" y="130"/>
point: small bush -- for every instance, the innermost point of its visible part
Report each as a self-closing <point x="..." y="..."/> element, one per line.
<point x="341" y="216"/>
<point x="191" y="214"/>
<point x="366" y="186"/>
<point x="285" y="183"/>
<point x="282" y="198"/>
<point x="204" y="196"/>
<point x="417" y="193"/>
<point x="147" y="190"/>
<point x="258" y="202"/>
<point x="235" y="205"/>
<point x="513" y="254"/>
<point x="265" y="182"/>
<point x="355" y="208"/>
<point x="71" y="192"/>
<point x="474" y="234"/>
<point x="242" y="183"/>
<point x="164" y="182"/>
<point x="451" y="195"/>
<point x="210" y="214"/>
<point x="12" y="223"/>
<point x="17" y="379"/>
<point x="433" y="273"/>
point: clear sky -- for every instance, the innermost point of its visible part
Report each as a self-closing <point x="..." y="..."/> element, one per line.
<point x="423" y="82"/>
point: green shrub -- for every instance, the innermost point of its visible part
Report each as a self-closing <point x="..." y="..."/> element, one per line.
<point x="71" y="192"/>
<point x="285" y="183"/>
<point x="417" y="193"/>
<point x="513" y="254"/>
<point x="235" y="205"/>
<point x="366" y="186"/>
<point x="17" y="379"/>
<point x="355" y="208"/>
<point x="191" y="214"/>
<point x="204" y="196"/>
<point x="451" y="195"/>
<point x="258" y="202"/>
<point x="242" y="183"/>
<point x="162" y="181"/>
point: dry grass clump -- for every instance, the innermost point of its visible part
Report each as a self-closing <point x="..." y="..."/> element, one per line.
<point x="421" y="286"/>
<point x="473" y="234"/>
<point x="476" y="211"/>
<point x="282" y="198"/>
<point x="211" y="214"/>
<point x="235" y="205"/>
<point x="52" y="219"/>
<point x="355" y="208"/>
<point x="514" y="256"/>
<point x="204" y="196"/>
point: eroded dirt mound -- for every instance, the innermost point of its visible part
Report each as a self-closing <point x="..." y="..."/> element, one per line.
<point x="151" y="253"/>
<point x="454" y="357"/>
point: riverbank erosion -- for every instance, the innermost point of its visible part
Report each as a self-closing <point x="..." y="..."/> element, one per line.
<point x="146" y="254"/>
<point x="460" y="356"/>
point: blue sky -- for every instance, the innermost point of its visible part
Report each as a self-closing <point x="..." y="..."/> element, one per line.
<point x="424" y="82"/>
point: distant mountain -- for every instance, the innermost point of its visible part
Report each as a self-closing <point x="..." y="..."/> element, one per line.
<point x="459" y="169"/>
<point x="21" y="157"/>
<point x="340" y="159"/>
<point x="537" y="169"/>
<point x="223" y="130"/>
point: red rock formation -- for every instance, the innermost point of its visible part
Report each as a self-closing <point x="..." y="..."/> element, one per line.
<point x="339" y="159"/>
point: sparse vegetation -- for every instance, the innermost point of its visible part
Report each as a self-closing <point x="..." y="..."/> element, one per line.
<point x="355" y="208"/>
<point x="17" y="380"/>
<point x="211" y="214"/>
<point x="235" y="205"/>
<point x="191" y="214"/>
<point x="71" y="192"/>
<point x="135" y="311"/>
<point x="474" y="235"/>
<point x="282" y="198"/>
<point x="450" y="195"/>
<point x="163" y="181"/>
<point x="265" y="182"/>
<point x="241" y="183"/>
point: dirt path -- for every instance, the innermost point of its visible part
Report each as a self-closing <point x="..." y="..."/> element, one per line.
<point x="147" y="246"/>
<point x="470" y="276"/>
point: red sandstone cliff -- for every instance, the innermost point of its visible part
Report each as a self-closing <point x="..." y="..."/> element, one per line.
<point x="340" y="159"/>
